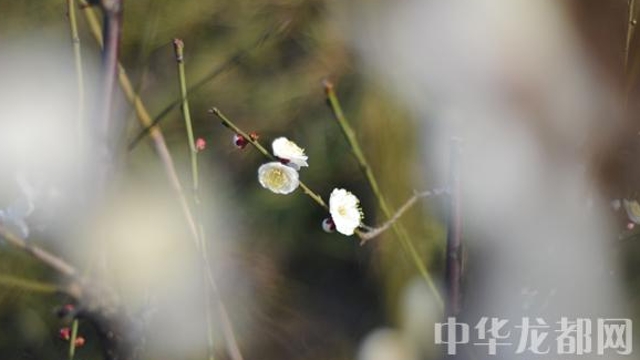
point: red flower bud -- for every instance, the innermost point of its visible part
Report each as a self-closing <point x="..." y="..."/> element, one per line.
<point x="79" y="341"/>
<point x="328" y="225"/>
<point x="239" y="141"/>
<point x="201" y="144"/>
<point x="65" y="333"/>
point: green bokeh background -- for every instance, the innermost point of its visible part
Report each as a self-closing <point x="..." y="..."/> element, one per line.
<point x="330" y="292"/>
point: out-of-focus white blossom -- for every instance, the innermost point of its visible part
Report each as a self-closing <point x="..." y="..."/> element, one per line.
<point x="632" y="207"/>
<point x="616" y="204"/>
<point x="290" y="152"/>
<point x="345" y="211"/>
<point x="278" y="178"/>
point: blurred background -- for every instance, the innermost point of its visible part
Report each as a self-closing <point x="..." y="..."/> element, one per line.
<point x="405" y="73"/>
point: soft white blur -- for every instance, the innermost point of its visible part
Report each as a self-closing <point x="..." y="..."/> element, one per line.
<point x="133" y="245"/>
<point x="142" y="248"/>
<point x="510" y="79"/>
<point x="38" y="126"/>
<point x="385" y="344"/>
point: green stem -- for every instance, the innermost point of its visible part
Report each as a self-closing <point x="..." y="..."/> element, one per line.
<point x="25" y="284"/>
<point x="399" y="230"/>
<point x="146" y="121"/>
<point x="72" y="342"/>
<point x="631" y="25"/>
<point x="234" y="59"/>
<point x="178" y="46"/>
<point x="229" y="124"/>
<point x="179" y="52"/>
<point x="77" y="55"/>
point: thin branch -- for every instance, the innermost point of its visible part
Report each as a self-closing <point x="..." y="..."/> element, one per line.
<point x="26" y="284"/>
<point x="72" y="341"/>
<point x="453" y="266"/>
<point x="155" y="132"/>
<point x="52" y="261"/>
<point x="229" y="335"/>
<point x="77" y="55"/>
<point x="631" y="25"/>
<point x="178" y="47"/>
<point x="105" y="130"/>
<point x="399" y="230"/>
<point x="373" y="232"/>
<point x="233" y="60"/>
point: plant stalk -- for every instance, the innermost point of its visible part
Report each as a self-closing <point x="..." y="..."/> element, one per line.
<point x="398" y="229"/>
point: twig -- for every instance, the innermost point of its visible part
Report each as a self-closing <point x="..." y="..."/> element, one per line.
<point x="26" y="284"/>
<point x="155" y="132"/>
<point x="105" y="130"/>
<point x="232" y="345"/>
<point x="399" y="230"/>
<point x="631" y="25"/>
<point x="77" y="55"/>
<point x="453" y="273"/>
<point x="156" y="136"/>
<point x="233" y="60"/>
<point x="45" y="257"/>
<point x="72" y="341"/>
<point x="178" y="47"/>
<point x="373" y="232"/>
<point x="229" y="124"/>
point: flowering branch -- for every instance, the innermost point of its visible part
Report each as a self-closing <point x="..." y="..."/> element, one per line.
<point x="230" y="125"/>
<point x="365" y="232"/>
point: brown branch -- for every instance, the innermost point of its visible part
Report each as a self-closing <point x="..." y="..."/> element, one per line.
<point x="52" y="261"/>
<point x="106" y="130"/>
<point x="373" y="232"/>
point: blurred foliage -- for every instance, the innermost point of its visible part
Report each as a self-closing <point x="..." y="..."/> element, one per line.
<point x="322" y="293"/>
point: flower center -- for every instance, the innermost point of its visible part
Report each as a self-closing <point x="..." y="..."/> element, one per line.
<point x="276" y="178"/>
<point x="342" y="211"/>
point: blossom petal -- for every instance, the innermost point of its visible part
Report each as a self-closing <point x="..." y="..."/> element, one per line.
<point x="278" y="178"/>
<point x="345" y="211"/>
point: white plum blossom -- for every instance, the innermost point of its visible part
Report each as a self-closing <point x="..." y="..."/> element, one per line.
<point x="616" y="204"/>
<point x="632" y="208"/>
<point x="345" y="211"/>
<point x="278" y="178"/>
<point x="290" y="152"/>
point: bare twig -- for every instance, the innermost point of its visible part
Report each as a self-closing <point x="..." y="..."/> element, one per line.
<point x="27" y="284"/>
<point x="453" y="272"/>
<point x="229" y="335"/>
<point x="155" y="132"/>
<point x="631" y="25"/>
<point x="52" y="261"/>
<point x="398" y="229"/>
<point x="72" y="341"/>
<point x="77" y="54"/>
<point x="233" y="60"/>
<point x="373" y="232"/>
<point x="106" y="130"/>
